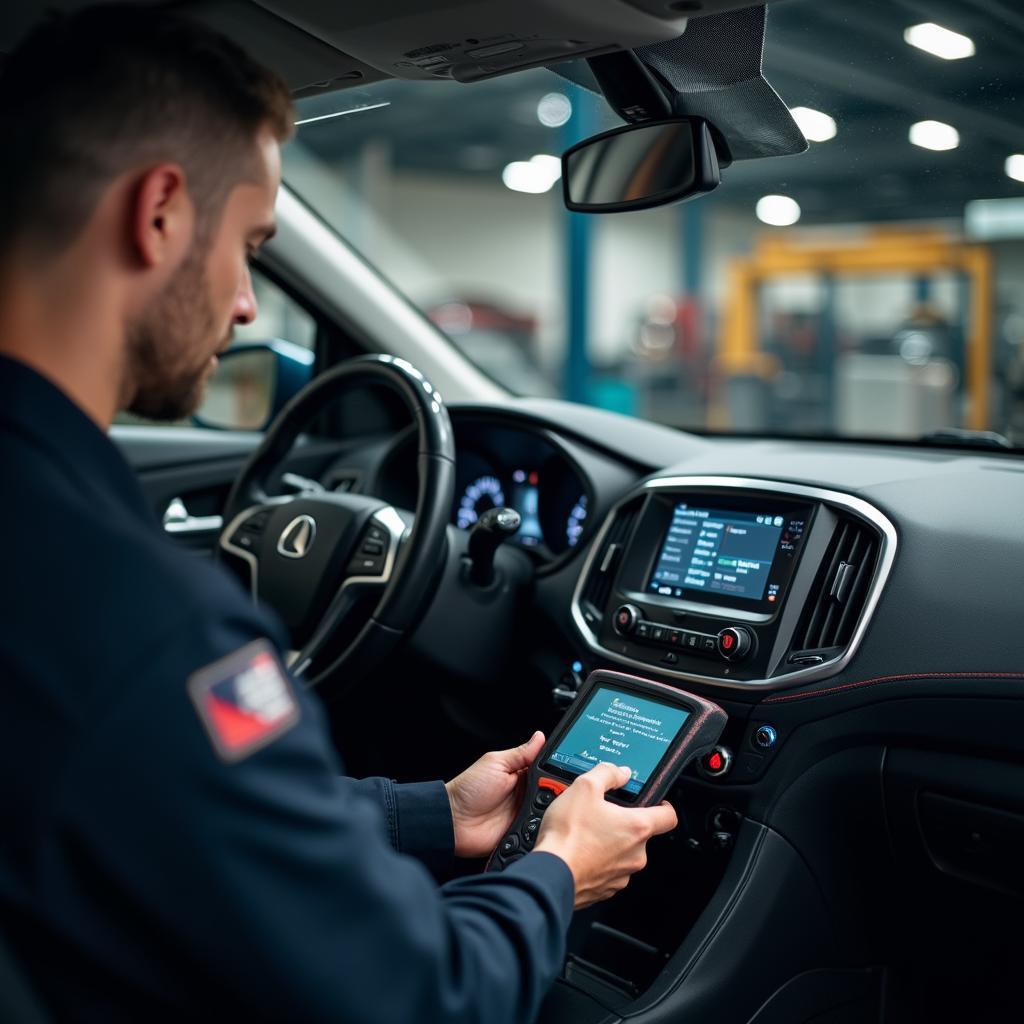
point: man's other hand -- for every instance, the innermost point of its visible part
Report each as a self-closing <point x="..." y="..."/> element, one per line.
<point x="486" y="796"/>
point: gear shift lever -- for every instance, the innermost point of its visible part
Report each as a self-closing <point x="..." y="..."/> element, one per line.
<point x="489" y="532"/>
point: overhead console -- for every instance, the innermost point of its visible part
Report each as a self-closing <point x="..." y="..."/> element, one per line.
<point x="467" y="42"/>
<point x="735" y="581"/>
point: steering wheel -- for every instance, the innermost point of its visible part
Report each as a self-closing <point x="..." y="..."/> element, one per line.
<point x="313" y="558"/>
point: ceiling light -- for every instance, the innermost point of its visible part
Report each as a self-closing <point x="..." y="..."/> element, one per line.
<point x="934" y="135"/>
<point x="554" y="110"/>
<point x="778" y="211"/>
<point x="939" y="41"/>
<point x="534" y="176"/>
<point x="816" y="126"/>
<point x="1015" y="166"/>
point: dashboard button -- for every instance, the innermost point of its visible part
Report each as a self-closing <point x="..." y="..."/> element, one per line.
<point x="643" y="630"/>
<point x="625" y="619"/>
<point x="765" y="737"/>
<point x="671" y="658"/>
<point x="691" y="641"/>
<point x="708" y="643"/>
<point x="715" y="763"/>
<point x="657" y="632"/>
<point x="675" y="637"/>
<point x="734" y="643"/>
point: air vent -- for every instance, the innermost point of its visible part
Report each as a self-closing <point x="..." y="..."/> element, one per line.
<point x="598" y="585"/>
<point x="837" y="598"/>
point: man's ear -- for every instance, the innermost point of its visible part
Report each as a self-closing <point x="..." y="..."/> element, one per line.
<point x="163" y="217"/>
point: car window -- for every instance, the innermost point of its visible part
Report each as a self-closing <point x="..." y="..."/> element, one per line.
<point x="868" y="287"/>
<point x="279" y="318"/>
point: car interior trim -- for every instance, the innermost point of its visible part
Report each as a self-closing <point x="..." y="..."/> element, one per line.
<point x="905" y="677"/>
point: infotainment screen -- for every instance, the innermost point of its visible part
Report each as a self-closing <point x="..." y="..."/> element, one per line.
<point x="622" y="728"/>
<point x="728" y="555"/>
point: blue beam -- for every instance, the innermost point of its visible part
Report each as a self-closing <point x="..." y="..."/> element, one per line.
<point x="692" y="231"/>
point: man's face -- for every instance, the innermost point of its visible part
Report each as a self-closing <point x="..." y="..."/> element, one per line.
<point x="173" y="346"/>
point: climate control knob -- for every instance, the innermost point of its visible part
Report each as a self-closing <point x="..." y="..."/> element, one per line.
<point x="734" y="643"/>
<point x="625" y="619"/>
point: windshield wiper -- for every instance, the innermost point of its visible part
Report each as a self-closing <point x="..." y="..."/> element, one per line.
<point x="957" y="437"/>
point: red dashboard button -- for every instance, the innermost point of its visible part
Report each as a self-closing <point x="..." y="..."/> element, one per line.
<point x="715" y="762"/>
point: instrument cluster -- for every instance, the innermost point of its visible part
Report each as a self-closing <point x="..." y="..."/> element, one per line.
<point x="540" y="485"/>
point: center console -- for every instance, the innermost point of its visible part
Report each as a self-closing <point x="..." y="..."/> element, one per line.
<point x="735" y="586"/>
<point x="734" y="581"/>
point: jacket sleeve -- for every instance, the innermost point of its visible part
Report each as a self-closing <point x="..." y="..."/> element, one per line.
<point x="418" y="817"/>
<point x="275" y="879"/>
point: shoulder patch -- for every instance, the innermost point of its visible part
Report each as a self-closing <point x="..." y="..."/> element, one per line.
<point x="245" y="700"/>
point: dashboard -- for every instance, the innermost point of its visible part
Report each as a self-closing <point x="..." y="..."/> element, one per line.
<point x="853" y="607"/>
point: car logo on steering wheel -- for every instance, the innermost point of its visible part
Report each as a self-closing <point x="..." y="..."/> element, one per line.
<point x="297" y="537"/>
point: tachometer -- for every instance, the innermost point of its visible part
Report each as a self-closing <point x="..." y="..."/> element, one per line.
<point x="483" y="493"/>
<point x="576" y="521"/>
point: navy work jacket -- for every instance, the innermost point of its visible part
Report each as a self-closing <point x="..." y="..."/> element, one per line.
<point x="179" y="839"/>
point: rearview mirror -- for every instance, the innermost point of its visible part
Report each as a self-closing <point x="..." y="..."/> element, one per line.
<point x="640" y="166"/>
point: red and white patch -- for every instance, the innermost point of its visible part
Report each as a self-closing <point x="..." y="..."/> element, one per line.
<point x="245" y="700"/>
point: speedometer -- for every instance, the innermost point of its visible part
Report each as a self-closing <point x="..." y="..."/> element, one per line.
<point x="576" y="521"/>
<point x="483" y="493"/>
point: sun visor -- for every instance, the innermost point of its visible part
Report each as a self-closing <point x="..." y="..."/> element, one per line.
<point x="306" y="63"/>
<point x="714" y="67"/>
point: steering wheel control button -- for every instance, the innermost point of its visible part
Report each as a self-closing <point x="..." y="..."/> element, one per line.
<point x="249" y="532"/>
<point x="715" y="763"/>
<point x="363" y="565"/>
<point x="765" y="737"/>
<point x="372" y="547"/>
<point x="509" y="845"/>
<point x="734" y="643"/>
<point x="626" y="618"/>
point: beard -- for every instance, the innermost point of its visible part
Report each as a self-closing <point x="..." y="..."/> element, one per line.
<point x="168" y="361"/>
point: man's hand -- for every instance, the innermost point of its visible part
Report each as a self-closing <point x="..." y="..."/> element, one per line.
<point x="486" y="796"/>
<point x="603" y="843"/>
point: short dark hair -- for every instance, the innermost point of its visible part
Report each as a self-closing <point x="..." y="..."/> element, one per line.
<point x="87" y="97"/>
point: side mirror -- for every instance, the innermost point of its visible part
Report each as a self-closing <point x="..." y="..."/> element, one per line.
<point x="253" y="382"/>
<point x="640" y="166"/>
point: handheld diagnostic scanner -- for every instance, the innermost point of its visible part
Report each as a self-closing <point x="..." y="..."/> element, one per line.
<point x="656" y="730"/>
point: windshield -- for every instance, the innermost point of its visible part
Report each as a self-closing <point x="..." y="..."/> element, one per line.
<point x="869" y="287"/>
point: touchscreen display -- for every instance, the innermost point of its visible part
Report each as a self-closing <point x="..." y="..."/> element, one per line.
<point x="725" y="553"/>
<point x="622" y="728"/>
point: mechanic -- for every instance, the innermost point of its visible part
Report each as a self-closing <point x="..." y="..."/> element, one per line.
<point x="166" y="853"/>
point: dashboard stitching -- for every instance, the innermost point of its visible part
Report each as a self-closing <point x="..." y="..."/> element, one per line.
<point x="892" y="679"/>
